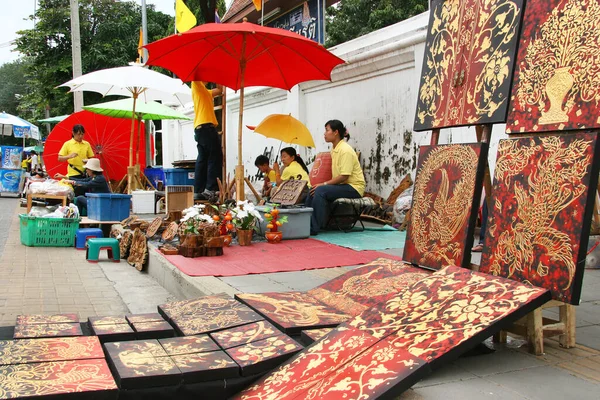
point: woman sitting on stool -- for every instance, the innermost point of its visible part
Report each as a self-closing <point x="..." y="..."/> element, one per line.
<point x="94" y="183"/>
<point x="347" y="179"/>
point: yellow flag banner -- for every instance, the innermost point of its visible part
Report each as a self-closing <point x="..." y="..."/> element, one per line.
<point x="140" y="49"/>
<point x="184" y="18"/>
<point x="257" y="4"/>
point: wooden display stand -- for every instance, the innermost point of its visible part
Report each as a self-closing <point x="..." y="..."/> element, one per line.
<point x="534" y="327"/>
<point x="30" y="197"/>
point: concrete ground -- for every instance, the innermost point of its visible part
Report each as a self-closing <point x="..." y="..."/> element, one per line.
<point x="52" y="280"/>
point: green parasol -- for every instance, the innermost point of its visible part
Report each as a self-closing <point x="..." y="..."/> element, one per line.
<point x="143" y="110"/>
<point x="53" y="120"/>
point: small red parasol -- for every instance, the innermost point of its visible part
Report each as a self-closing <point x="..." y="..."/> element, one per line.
<point x="108" y="136"/>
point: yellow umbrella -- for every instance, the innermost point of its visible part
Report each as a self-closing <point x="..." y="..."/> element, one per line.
<point x="286" y="128"/>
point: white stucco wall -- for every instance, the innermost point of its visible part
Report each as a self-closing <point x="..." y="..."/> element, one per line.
<point x="374" y="94"/>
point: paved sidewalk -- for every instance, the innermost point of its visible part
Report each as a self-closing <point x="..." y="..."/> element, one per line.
<point x="45" y="280"/>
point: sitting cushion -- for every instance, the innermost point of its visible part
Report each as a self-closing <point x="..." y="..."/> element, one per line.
<point x="362" y="202"/>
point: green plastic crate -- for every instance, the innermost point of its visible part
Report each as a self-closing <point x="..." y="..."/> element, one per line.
<point x="48" y="232"/>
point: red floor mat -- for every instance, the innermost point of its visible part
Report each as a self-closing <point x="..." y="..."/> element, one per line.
<point x="260" y="258"/>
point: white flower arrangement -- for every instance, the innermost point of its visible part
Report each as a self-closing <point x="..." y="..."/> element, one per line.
<point x="245" y="215"/>
<point x="193" y="217"/>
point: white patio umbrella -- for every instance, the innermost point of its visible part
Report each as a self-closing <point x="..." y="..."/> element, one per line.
<point x="13" y="125"/>
<point x="133" y="81"/>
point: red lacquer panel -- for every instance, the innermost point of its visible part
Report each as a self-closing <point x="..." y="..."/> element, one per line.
<point x="141" y="363"/>
<point x="293" y="311"/>
<point x="539" y="222"/>
<point x="208" y="314"/>
<point x="432" y="322"/>
<point x="90" y="377"/>
<point x="310" y="366"/>
<point x="26" y="351"/>
<point x="202" y="367"/>
<point x="468" y="63"/>
<point x="244" y="334"/>
<point x="148" y="317"/>
<point x="312" y="335"/>
<point x="95" y="321"/>
<point x="188" y="345"/>
<point x="153" y="330"/>
<point x="556" y="77"/>
<point x="47" y="330"/>
<point x="367" y="286"/>
<point x="46" y="319"/>
<point x="381" y="370"/>
<point x="444" y="207"/>
<point x="263" y="355"/>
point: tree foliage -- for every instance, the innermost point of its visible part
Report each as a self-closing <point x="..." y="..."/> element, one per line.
<point x="109" y="32"/>
<point x="350" y="19"/>
<point x="14" y="84"/>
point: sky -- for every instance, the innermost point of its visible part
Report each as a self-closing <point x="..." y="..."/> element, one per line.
<point x="14" y="18"/>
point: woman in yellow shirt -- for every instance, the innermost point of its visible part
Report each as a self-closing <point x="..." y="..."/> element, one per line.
<point x="348" y="180"/>
<point x="295" y="168"/>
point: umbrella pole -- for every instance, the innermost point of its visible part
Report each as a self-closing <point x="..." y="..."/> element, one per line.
<point x="130" y="170"/>
<point x="139" y="140"/>
<point x="239" y="169"/>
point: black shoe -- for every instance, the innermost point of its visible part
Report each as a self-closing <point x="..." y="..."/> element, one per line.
<point x="312" y="233"/>
<point x="201" y="196"/>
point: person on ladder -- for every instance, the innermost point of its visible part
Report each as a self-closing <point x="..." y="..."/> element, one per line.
<point x="209" y="163"/>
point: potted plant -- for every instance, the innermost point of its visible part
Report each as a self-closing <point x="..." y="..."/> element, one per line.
<point x="190" y="224"/>
<point x="226" y="225"/>
<point x="274" y="221"/>
<point x="244" y="218"/>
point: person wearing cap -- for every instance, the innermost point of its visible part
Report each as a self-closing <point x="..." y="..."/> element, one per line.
<point x="94" y="183"/>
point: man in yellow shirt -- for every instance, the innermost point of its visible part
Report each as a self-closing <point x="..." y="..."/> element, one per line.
<point x="209" y="163"/>
<point x="76" y="152"/>
<point x="347" y="180"/>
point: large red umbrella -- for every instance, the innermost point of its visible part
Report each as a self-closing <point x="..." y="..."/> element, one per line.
<point x="108" y="136"/>
<point x="242" y="55"/>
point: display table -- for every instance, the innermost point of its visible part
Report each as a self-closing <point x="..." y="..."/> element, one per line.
<point x="30" y="197"/>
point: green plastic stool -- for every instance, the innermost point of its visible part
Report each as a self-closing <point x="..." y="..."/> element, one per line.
<point x="94" y="245"/>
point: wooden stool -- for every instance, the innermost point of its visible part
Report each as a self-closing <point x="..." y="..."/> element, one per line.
<point x="94" y="246"/>
<point x="83" y="234"/>
<point x="534" y="327"/>
<point x="30" y="197"/>
<point x="345" y="213"/>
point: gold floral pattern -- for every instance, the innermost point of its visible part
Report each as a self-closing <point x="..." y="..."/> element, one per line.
<point x="47" y="330"/>
<point x="389" y="347"/>
<point x="53" y="349"/>
<point x="310" y="366"/>
<point x="540" y="199"/>
<point x="46" y="319"/>
<point x="55" y="378"/>
<point x="445" y="188"/>
<point x="188" y="345"/>
<point x="468" y="62"/>
<point x="245" y="334"/>
<point x="557" y="84"/>
<point x="292" y="311"/>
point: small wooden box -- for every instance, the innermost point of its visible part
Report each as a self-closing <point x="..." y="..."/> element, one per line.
<point x="178" y="198"/>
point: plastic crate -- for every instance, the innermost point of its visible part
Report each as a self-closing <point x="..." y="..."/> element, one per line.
<point x="298" y="225"/>
<point x="179" y="176"/>
<point x="48" y="232"/>
<point x="143" y="201"/>
<point x="108" y="207"/>
<point x="155" y="174"/>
